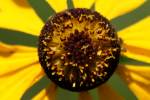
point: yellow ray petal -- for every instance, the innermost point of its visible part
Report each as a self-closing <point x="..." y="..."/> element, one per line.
<point x="19" y="15"/>
<point x="48" y="93"/>
<point x="85" y="96"/>
<point x="14" y="85"/>
<point x="15" y="57"/>
<point x="114" y="8"/>
<point x="83" y="3"/>
<point x="138" y="80"/>
<point x="136" y="39"/>
<point x="19" y="69"/>
<point x="138" y="34"/>
<point x="137" y="53"/>
<point x="62" y="5"/>
<point x="107" y="93"/>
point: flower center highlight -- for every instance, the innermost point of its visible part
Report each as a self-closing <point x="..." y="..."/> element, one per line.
<point x="78" y="49"/>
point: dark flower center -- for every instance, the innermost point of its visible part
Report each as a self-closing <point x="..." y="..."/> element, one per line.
<point x="78" y="49"/>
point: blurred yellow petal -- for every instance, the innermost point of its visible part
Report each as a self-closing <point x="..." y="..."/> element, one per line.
<point x="137" y="34"/>
<point x="107" y="93"/>
<point x="48" y="93"/>
<point x="15" y="57"/>
<point x="83" y="3"/>
<point x="19" y="15"/>
<point x="62" y="5"/>
<point x="19" y="69"/>
<point x="13" y="85"/>
<point x="136" y="39"/>
<point x="137" y="53"/>
<point x="85" y="96"/>
<point x="138" y="80"/>
<point x="115" y="8"/>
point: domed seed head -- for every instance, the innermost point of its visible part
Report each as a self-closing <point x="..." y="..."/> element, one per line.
<point x="78" y="49"/>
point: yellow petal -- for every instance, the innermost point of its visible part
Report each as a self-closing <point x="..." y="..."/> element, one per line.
<point x="83" y="3"/>
<point x="13" y="85"/>
<point x="136" y="39"/>
<point x="19" y="69"/>
<point x="138" y="80"/>
<point x="85" y="96"/>
<point x="115" y="8"/>
<point x="137" y="53"/>
<point x="16" y="57"/>
<point x="137" y="34"/>
<point x="107" y="93"/>
<point x="62" y="5"/>
<point x="48" y="93"/>
<point x="19" y="15"/>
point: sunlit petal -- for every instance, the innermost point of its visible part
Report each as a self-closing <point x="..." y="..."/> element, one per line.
<point x="137" y="78"/>
<point x="83" y="3"/>
<point x="19" y="69"/>
<point x="13" y="85"/>
<point x="137" y="34"/>
<point x="62" y="5"/>
<point x="85" y="96"/>
<point x="136" y="39"/>
<point x="48" y="93"/>
<point x="107" y="93"/>
<point x="19" y="15"/>
<point x="16" y="57"/>
<point x="115" y="8"/>
<point x="139" y="54"/>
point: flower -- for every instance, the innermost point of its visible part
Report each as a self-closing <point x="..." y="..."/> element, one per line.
<point x="20" y="68"/>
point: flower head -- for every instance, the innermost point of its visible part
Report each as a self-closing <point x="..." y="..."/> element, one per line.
<point x="21" y="75"/>
<point x="78" y="49"/>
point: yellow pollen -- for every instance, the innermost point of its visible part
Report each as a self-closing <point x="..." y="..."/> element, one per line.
<point x="93" y="80"/>
<point x="53" y="73"/>
<point x="62" y="57"/>
<point x="59" y="73"/>
<point x="71" y="63"/>
<point x="74" y="84"/>
<point x="99" y="52"/>
<point x="81" y="83"/>
<point x="90" y="58"/>
<point x="66" y="64"/>
<point x="44" y="43"/>
<point x="60" y="79"/>
<point x="86" y="65"/>
<point x="53" y="67"/>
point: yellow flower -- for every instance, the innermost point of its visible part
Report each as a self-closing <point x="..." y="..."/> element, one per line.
<point x="19" y="66"/>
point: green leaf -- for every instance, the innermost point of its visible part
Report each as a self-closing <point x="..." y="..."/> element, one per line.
<point x="117" y="84"/>
<point x="42" y="8"/>
<point x="94" y="94"/>
<point x="63" y="94"/>
<point x="132" y="17"/>
<point x="36" y="88"/>
<point x="70" y="4"/>
<point x="17" y="37"/>
<point x="131" y="61"/>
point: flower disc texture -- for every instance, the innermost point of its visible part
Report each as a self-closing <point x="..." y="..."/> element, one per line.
<point x="78" y="49"/>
